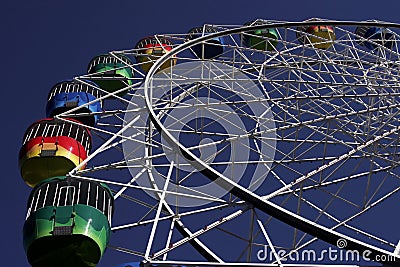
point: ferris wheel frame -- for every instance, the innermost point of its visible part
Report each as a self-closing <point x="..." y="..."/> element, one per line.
<point x="249" y="199"/>
<point x="262" y="203"/>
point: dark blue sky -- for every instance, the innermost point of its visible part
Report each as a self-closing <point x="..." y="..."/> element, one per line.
<point x="46" y="41"/>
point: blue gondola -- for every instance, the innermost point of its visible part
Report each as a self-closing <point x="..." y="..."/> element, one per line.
<point x="375" y="36"/>
<point x="210" y="49"/>
<point x="67" y="95"/>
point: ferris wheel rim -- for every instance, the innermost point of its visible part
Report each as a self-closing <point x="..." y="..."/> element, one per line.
<point x="151" y="74"/>
<point x="324" y="233"/>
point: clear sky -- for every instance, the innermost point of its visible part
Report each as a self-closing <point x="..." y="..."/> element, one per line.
<point x="45" y="41"/>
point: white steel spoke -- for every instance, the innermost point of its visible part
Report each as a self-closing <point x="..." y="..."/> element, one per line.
<point x="153" y="229"/>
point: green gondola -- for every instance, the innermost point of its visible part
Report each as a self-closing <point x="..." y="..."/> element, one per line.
<point x="265" y="39"/>
<point x="68" y="222"/>
<point x="111" y="73"/>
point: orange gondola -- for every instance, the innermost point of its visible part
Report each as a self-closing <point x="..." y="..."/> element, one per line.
<point x="152" y="48"/>
<point x="319" y="36"/>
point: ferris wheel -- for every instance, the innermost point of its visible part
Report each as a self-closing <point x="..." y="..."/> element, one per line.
<point x="263" y="144"/>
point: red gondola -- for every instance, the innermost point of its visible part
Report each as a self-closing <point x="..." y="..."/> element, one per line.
<point x="51" y="148"/>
